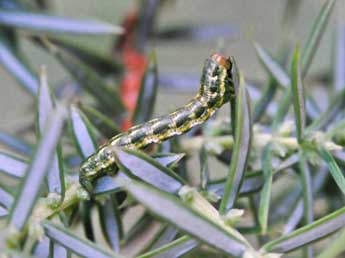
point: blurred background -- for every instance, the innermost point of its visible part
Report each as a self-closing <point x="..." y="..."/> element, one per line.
<point x="231" y="26"/>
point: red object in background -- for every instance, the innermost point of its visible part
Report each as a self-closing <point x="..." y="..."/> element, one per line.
<point x="135" y="63"/>
<point x="126" y="39"/>
<point x="135" y="66"/>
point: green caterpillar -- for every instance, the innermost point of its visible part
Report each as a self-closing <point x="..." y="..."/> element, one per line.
<point x="216" y="89"/>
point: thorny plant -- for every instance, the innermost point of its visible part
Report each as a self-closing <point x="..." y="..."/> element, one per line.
<point x="281" y="165"/>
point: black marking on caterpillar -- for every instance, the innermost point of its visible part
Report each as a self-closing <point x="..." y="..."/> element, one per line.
<point x="216" y="89"/>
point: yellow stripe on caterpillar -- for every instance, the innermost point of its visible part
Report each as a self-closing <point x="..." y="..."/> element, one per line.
<point x="216" y="89"/>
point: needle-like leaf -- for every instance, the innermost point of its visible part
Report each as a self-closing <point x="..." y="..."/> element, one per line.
<point x="74" y="243"/>
<point x="265" y="196"/>
<point x="45" y="106"/>
<point x="53" y="24"/>
<point x="136" y="164"/>
<point x="336" y="173"/>
<point x="176" y="248"/>
<point x="307" y="234"/>
<point x="106" y="184"/>
<point x="58" y="251"/>
<point x="315" y="36"/>
<point x="173" y="210"/>
<point x="6" y="199"/>
<point x="272" y="66"/>
<point x="103" y="122"/>
<point x="12" y="166"/>
<point x="82" y="133"/>
<point x="17" y="68"/>
<point x="148" y="91"/>
<point x="111" y="222"/>
<point x="88" y="78"/>
<point x="32" y="182"/>
<point x="15" y="143"/>
<point x="335" y="248"/>
<point x="243" y="134"/>
<point x="298" y="95"/>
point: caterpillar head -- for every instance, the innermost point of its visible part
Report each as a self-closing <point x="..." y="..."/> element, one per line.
<point x="217" y="80"/>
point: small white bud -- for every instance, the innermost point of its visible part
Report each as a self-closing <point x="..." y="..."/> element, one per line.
<point x="82" y="194"/>
<point x="53" y="200"/>
<point x="233" y="216"/>
<point x="186" y="193"/>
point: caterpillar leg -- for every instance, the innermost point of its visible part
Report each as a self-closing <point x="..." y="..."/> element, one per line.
<point x="95" y="167"/>
<point x="86" y="183"/>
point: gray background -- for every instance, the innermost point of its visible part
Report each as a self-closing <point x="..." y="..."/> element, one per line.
<point x="256" y="20"/>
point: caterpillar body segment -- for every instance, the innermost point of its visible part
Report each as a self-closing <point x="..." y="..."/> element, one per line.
<point x="216" y="89"/>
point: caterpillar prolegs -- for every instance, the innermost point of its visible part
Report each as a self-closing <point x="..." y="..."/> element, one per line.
<point x="216" y="88"/>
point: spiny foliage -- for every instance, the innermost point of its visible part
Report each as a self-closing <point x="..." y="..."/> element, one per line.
<point x="284" y="187"/>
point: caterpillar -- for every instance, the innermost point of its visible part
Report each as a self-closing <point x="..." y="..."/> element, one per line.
<point x="216" y="89"/>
